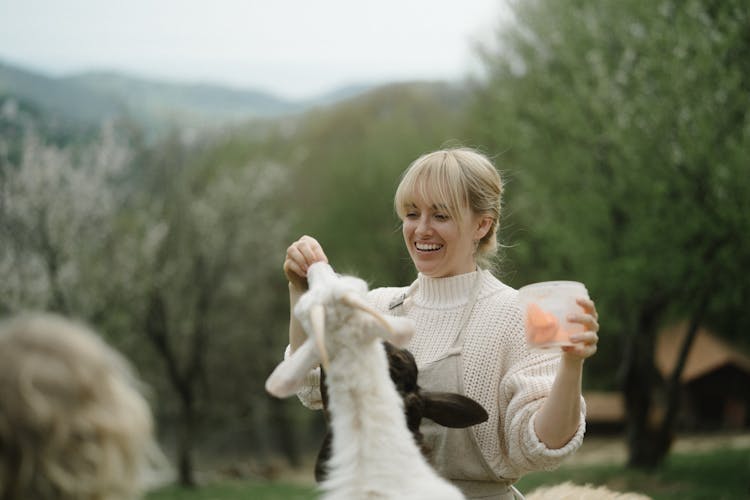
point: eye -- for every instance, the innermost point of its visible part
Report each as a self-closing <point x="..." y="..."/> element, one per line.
<point x="441" y="217"/>
<point x="411" y="215"/>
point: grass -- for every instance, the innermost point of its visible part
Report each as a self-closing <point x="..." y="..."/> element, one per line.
<point x="715" y="475"/>
<point x="237" y="490"/>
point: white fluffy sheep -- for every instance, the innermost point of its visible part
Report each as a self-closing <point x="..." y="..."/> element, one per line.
<point x="570" y="491"/>
<point x="373" y="453"/>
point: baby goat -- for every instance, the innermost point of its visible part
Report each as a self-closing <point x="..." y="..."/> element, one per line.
<point x="373" y="452"/>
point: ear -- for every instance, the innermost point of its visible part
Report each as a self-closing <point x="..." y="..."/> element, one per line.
<point x="400" y="329"/>
<point x="484" y="224"/>
<point x="324" y="455"/>
<point x="402" y="368"/>
<point x="453" y="410"/>
<point x="288" y="376"/>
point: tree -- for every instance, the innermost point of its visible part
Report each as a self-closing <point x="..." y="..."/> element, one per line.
<point x="198" y="244"/>
<point x="170" y="246"/>
<point x="346" y="163"/>
<point x="56" y="209"/>
<point x="624" y="123"/>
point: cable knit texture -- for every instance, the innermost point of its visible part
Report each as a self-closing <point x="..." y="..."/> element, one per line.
<point x="500" y="372"/>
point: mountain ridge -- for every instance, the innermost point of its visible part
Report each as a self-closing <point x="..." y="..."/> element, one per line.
<point x="93" y="96"/>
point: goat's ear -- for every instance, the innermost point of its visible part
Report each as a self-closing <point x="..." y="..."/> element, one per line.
<point x="394" y="329"/>
<point x="452" y="410"/>
<point x="290" y="373"/>
<point x="402" y="330"/>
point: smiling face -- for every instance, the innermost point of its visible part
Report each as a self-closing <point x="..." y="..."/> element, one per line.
<point x="449" y="204"/>
<point x="441" y="244"/>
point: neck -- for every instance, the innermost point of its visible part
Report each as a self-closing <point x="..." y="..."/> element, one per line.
<point x="366" y="412"/>
<point x="446" y="292"/>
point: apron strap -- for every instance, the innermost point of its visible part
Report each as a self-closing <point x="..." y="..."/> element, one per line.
<point x="395" y="307"/>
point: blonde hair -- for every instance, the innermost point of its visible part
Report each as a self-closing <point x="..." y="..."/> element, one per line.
<point x="73" y="424"/>
<point x="456" y="178"/>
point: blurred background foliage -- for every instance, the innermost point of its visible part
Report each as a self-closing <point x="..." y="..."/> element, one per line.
<point x="621" y="129"/>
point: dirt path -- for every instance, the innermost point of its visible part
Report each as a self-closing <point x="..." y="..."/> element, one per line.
<point x="598" y="450"/>
<point x="595" y="450"/>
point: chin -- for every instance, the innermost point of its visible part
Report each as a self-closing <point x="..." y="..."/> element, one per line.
<point x="426" y="270"/>
<point x="431" y="272"/>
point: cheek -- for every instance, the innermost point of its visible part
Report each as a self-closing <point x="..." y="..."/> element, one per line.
<point x="450" y="233"/>
<point x="405" y="234"/>
<point x="406" y="228"/>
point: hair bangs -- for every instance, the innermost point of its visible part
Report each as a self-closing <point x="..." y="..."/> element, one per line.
<point x="434" y="179"/>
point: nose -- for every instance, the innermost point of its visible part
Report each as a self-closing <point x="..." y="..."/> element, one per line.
<point x="423" y="226"/>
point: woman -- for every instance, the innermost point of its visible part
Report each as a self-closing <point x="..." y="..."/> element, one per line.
<point x="469" y="331"/>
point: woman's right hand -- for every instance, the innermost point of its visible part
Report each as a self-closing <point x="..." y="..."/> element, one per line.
<point x="299" y="257"/>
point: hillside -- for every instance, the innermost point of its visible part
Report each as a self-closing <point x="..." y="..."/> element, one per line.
<point x="160" y="100"/>
<point x="89" y="98"/>
<point x="55" y="96"/>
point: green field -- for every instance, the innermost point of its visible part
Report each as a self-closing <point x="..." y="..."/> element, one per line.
<point x="238" y="490"/>
<point x="716" y="475"/>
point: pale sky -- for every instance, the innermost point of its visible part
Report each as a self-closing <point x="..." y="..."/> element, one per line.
<point x="292" y="48"/>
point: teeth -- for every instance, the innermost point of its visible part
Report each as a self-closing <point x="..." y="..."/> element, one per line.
<point x="428" y="247"/>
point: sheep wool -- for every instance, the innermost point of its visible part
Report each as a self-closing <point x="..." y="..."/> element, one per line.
<point x="570" y="491"/>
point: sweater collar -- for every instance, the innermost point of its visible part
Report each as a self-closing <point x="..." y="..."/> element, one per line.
<point x="447" y="292"/>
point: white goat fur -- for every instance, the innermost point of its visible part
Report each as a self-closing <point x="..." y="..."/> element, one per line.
<point x="374" y="455"/>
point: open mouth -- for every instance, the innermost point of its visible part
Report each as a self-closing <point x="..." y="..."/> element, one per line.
<point x="428" y="247"/>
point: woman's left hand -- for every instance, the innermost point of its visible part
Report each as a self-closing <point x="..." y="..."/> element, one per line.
<point x="585" y="342"/>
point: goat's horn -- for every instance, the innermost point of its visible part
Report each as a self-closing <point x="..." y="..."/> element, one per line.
<point x="318" y="321"/>
<point x="356" y="302"/>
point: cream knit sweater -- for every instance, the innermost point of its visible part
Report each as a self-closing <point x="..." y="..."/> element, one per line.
<point x="500" y="372"/>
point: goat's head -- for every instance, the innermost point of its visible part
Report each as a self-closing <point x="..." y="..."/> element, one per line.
<point x="339" y="302"/>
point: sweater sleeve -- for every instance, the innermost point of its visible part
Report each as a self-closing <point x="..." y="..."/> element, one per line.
<point x="522" y="393"/>
<point x="309" y="392"/>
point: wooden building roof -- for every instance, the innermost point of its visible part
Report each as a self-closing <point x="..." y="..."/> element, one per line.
<point x="604" y="406"/>
<point x="707" y="353"/>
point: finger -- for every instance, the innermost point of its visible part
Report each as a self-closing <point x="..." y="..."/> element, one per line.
<point x="320" y="256"/>
<point x="303" y="247"/>
<point x="588" y="321"/>
<point x="295" y="275"/>
<point x="581" y="351"/>
<point x="295" y="255"/>
<point x="308" y="253"/>
<point x="583" y="343"/>
<point x="291" y="267"/>
<point x="587" y="338"/>
<point x="313" y="251"/>
<point x="588" y="306"/>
